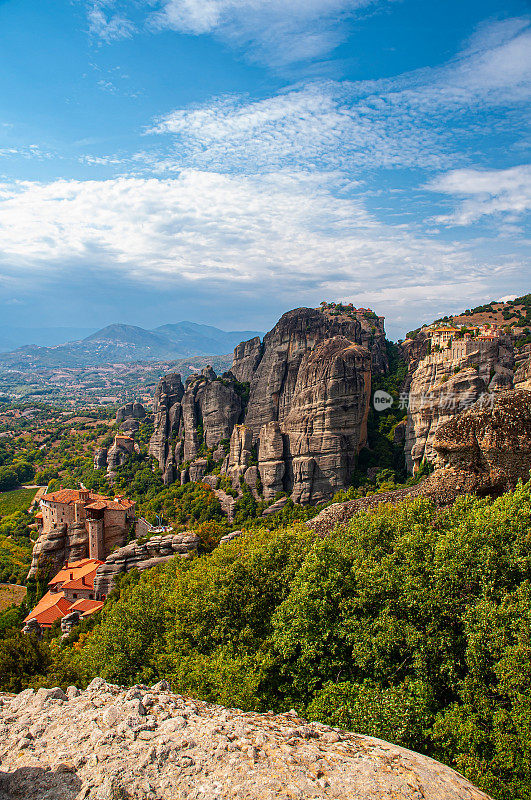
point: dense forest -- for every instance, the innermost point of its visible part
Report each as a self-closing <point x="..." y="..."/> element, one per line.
<point x="410" y="623"/>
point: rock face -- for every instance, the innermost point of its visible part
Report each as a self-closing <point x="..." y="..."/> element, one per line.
<point x="62" y="543"/>
<point x="107" y="742"/>
<point x="305" y="418"/>
<point x="274" y="380"/>
<point x="445" y="383"/>
<point x="139" y="556"/>
<point x="327" y="423"/>
<point x="167" y="416"/>
<point x="130" y="411"/>
<point x="202" y="413"/>
<point x="484" y="450"/>
<point x="247" y="356"/>
<point x="522" y="376"/>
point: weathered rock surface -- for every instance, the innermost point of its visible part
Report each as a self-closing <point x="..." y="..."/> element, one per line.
<point x="207" y="403"/>
<point x="130" y="411"/>
<point x="247" y="356"/>
<point x="167" y="417"/>
<point x="483" y="450"/>
<point x="240" y="453"/>
<point x="295" y="334"/>
<point x="143" y="743"/>
<point x="100" y="458"/>
<point x="62" y="543"/>
<point x="522" y="376"/>
<point x="327" y="422"/>
<point x="272" y="459"/>
<point x="142" y="556"/>
<point x="447" y="382"/>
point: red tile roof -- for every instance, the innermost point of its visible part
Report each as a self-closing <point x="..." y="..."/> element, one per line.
<point x="69" y="496"/>
<point x="51" y="607"/>
<point x="71" y="574"/>
<point x="86" y="607"/>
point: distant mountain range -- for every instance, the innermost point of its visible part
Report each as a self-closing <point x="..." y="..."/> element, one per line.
<point x="119" y="343"/>
<point x="12" y="336"/>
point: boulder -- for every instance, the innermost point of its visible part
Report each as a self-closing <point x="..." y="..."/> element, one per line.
<point x="130" y="411"/>
<point x="102" y="745"/>
<point x="142" y="556"/>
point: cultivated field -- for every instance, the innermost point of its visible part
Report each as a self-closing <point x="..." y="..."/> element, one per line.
<point x="11" y="594"/>
<point x="16" y="500"/>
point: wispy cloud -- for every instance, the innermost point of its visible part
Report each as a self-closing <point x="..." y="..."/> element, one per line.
<point x="275" y="32"/>
<point x="416" y="119"/>
<point x="505" y="192"/>
<point x="105" y="24"/>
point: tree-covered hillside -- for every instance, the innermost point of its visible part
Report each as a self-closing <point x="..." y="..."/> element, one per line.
<point x="410" y="623"/>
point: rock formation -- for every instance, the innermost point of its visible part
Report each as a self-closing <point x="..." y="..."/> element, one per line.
<point x="186" y="418"/>
<point x="128" y="417"/>
<point x="484" y="450"/>
<point x="445" y="383"/>
<point x="305" y="419"/>
<point x="167" y="417"/>
<point x="326" y="425"/>
<point x="522" y="376"/>
<point x="142" y="556"/>
<point x="108" y="742"/>
<point x="62" y="543"/>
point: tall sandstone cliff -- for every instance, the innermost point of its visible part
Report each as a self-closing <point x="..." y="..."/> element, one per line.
<point x="306" y="415"/>
<point x="441" y="384"/>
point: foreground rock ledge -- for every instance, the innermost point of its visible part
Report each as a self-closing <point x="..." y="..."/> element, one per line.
<point x="108" y="743"/>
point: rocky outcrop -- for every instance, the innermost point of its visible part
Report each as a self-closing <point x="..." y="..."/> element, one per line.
<point x="247" y="356"/>
<point x="142" y="556"/>
<point x="240" y="453"/>
<point x="108" y="742"/>
<point x="202" y="414"/>
<point x="69" y="622"/>
<point x="62" y="543"/>
<point x="297" y="333"/>
<point x="305" y="419"/>
<point x="444" y="383"/>
<point x="485" y="450"/>
<point x="271" y="459"/>
<point x="130" y="411"/>
<point x="100" y="458"/>
<point x="167" y="418"/>
<point x="522" y="376"/>
<point x="327" y="422"/>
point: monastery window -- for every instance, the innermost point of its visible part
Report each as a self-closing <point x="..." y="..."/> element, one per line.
<point x="91" y="596"/>
<point x="74" y="596"/>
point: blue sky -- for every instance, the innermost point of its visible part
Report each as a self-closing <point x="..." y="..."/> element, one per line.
<point x="226" y="160"/>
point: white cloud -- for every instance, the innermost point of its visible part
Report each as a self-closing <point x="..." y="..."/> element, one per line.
<point x="275" y="32"/>
<point x="487" y="192"/>
<point x="108" y="27"/>
<point x="288" y="231"/>
<point x="415" y="120"/>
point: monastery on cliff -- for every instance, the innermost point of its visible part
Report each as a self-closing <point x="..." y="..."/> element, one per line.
<point x="106" y="520"/>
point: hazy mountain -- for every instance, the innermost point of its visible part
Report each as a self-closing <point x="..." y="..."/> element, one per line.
<point x="13" y="337"/>
<point x="120" y="342"/>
